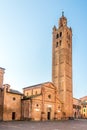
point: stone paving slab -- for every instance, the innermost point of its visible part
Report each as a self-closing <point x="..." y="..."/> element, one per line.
<point x="46" y="125"/>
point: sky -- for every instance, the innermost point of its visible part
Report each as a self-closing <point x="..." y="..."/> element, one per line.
<point x="26" y="41"/>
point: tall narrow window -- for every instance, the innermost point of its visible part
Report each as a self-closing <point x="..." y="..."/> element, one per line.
<point x="56" y="44"/>
<point x="57" y="36"/>
<point x="68" y="45"/>
<point x="36" y="93"/>
<point x="60" y="34"/>
<point x="84" y="110"/>
<point x="60" y="42"/>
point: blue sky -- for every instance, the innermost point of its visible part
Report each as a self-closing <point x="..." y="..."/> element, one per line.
<point x="26" y="41"/>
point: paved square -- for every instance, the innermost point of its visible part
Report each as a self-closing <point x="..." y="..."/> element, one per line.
<point x="46" y="125"/>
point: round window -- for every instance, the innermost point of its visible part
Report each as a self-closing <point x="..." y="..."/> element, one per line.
<point x="49" y="96"/>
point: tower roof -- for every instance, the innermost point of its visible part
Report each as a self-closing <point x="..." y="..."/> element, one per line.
<point x="62" y="20"/>
<point x="62" y="13"/>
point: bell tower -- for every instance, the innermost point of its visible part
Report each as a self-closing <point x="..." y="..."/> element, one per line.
<point x="62" y="64"/>
<point x="1" y="76"/>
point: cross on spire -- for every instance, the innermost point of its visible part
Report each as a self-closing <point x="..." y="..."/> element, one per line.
<point x="62" y="13"/>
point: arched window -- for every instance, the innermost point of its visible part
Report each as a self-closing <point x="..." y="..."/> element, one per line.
<point x="60" y="34"/>
<point x="37" y="105"/>
<point x="60" y="42"/>
<point x="36" y="93"/>
<point x="56" y="44"/>
<point x="68" y="45"/>
<point x="57" y="36"/>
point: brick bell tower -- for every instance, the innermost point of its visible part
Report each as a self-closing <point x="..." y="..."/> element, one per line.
<point x="62" y="64"/>
<point x="1" y="76"/>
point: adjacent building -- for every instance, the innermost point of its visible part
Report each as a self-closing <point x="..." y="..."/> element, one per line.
<point x="1" y="92"/>
<point x="76" y="108"/>
<point x="10" y="101"/>
<point x="84" y="107"/>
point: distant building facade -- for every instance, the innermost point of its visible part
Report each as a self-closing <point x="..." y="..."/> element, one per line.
<point x="84" y="107"/>
<point x="76" y="108"/>
<point x="80" y="107"/>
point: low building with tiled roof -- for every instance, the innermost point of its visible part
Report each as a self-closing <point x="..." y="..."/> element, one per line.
<point x="84" y="107"/>
<point x="76" y="108"/>
<point x="11" y="103"/>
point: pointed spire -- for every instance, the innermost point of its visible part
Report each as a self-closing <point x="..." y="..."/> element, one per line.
<point x="62" y="20"/>
<point x="62" y="13"/>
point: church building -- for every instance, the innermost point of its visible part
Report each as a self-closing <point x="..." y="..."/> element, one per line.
<point x="49" y="100"/>
<point x="41" y="102"/>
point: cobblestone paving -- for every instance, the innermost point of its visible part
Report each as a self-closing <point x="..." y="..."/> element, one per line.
<point x="46" y="125"/>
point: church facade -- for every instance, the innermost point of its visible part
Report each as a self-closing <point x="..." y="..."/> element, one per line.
<point x="41" y="102"/>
